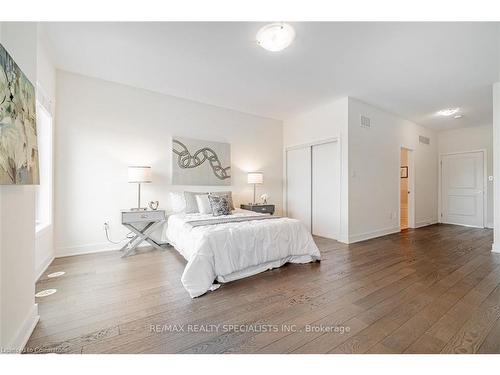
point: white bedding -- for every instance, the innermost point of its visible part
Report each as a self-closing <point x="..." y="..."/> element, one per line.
<point x="230" y="251"/>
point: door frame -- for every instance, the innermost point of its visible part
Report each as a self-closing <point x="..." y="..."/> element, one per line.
<point x="485" y="184"/>
<point x="310" y="145"/>
<point x="411" y="187"/>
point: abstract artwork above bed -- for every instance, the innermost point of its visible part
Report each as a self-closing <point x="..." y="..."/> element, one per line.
<point x="18" y="139"/>
<point x="199" y="162"/>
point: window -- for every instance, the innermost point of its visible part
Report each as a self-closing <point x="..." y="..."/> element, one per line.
<point x="44" y="190"/>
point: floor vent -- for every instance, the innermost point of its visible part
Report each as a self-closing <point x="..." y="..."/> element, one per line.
<point x="45" y="293"/>
<point x="365" y="122"/>
<point x="55" y="274"/>
<point x="424" y="140"/>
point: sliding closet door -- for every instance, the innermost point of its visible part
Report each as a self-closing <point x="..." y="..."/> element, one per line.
<point x="298" y="172"/>
<point x="325" y="190"/>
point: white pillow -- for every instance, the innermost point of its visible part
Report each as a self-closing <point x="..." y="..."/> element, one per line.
<point x="190" y="199"/>
<point x="203" y="203"/>
<point x="178" y="202"/>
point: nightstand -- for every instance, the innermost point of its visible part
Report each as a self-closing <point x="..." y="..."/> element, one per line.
<point x="142" y="224"/>
<point x="262" y="208"/>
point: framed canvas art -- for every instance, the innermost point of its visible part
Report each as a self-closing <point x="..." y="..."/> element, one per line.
<point x="199" y="162"/>
<point x="404" y="172"/>
<point x="18" y="136"/>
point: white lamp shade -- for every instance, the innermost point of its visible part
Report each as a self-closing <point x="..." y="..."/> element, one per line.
<point x="255" y="178"/>
<point x="139" y="174"/>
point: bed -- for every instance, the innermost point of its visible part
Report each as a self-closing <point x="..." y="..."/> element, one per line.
<point x="220" y="250"/>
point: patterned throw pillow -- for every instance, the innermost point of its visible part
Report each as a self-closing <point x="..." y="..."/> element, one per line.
<point x="226" y="194"/>
<point x="220" y="205"/>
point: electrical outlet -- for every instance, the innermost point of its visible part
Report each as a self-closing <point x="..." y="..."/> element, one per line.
<point x="393" y="215"/>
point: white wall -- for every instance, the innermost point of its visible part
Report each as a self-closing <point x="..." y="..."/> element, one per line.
<point x="374" y="165"/>
<point x="326" y="121"/>
<point x="17" y="218"/>
<point x="472" y="139"/>
<point x="371" y="165"/>
<point x="496" y="158"/>
<point x="46" y="93"/>
<point x="496" y="167"/>
<point x="103" y="127"/>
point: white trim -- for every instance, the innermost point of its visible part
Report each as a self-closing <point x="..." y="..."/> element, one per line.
<point x="24" y="332"/>
<point x="50" y="219"/>
<point x="495" y="248"/>
<point x="424" y="223"/>
<point x="485" y="184"/>
<point x="373" y="234"/>
<point x="490" y="225"/>
<point x="89" y="249"/>
<point x="44" y="267"/>
<point x="42" y="229"/>
<point x="314" y="143"/>
<point x="465" y="225"/>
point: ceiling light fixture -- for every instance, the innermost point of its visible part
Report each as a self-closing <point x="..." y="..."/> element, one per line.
<point x="456" y="117"/>
<point x="448" y="112"/>
<point x="275" y="37"/>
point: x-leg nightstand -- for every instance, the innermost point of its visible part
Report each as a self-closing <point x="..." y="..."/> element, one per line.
<point x="142" y="224"/>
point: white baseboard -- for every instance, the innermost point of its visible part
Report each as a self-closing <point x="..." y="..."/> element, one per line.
<point x="24" y="332"/>
<point x="489" y="225"/>
<point x="373" y="234"/>
<point x="343" y="239"/>
<point x="495" y="248"/>
<point x="424" y="223"/>
<point x="44" y="267"/>
<point x="89" y="249"/>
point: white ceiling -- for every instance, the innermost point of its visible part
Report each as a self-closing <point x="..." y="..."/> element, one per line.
<point x="411" y="69"/>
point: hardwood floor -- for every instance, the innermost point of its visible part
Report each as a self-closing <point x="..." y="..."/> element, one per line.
<point x="429" y="290"/>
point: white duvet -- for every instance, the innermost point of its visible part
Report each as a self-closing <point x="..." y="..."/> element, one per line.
<point x="231" y="251"/>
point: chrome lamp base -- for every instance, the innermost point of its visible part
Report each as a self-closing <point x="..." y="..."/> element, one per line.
<point x="139" y="208"/>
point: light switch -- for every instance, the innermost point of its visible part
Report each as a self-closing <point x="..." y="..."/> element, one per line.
<point x="490" y="178"/>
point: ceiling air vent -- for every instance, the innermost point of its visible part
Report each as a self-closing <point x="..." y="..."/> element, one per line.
<point x="424" y="140"/>
<point x="365" y="122"/>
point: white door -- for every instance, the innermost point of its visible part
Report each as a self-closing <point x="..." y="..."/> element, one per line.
<point x="298" y="185"/>
<point x="462" y="195"/>
<point x="325" y="190"/>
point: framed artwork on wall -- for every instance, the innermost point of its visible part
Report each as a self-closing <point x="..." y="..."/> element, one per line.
<point x="199" y="162"/>
<point x="404" y="172"/>
<point x="18" y="135"/>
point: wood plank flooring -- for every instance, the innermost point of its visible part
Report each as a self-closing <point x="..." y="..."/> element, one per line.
<point x="430" y="290"/>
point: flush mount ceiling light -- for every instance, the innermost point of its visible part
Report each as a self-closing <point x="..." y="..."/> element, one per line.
<point x="448" y="112"/>
<point x="275" y="37"/>
<point x="458" y="116"/>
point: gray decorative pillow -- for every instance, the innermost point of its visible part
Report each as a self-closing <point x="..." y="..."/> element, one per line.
<point x="226" y="194"/>
<point x="220" y="205"/>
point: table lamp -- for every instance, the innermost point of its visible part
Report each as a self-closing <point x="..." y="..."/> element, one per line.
<point x="139" y="175"/>
<point x="255" y="178"/>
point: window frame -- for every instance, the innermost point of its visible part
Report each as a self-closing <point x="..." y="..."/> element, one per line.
<point x="45" y="221"/>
